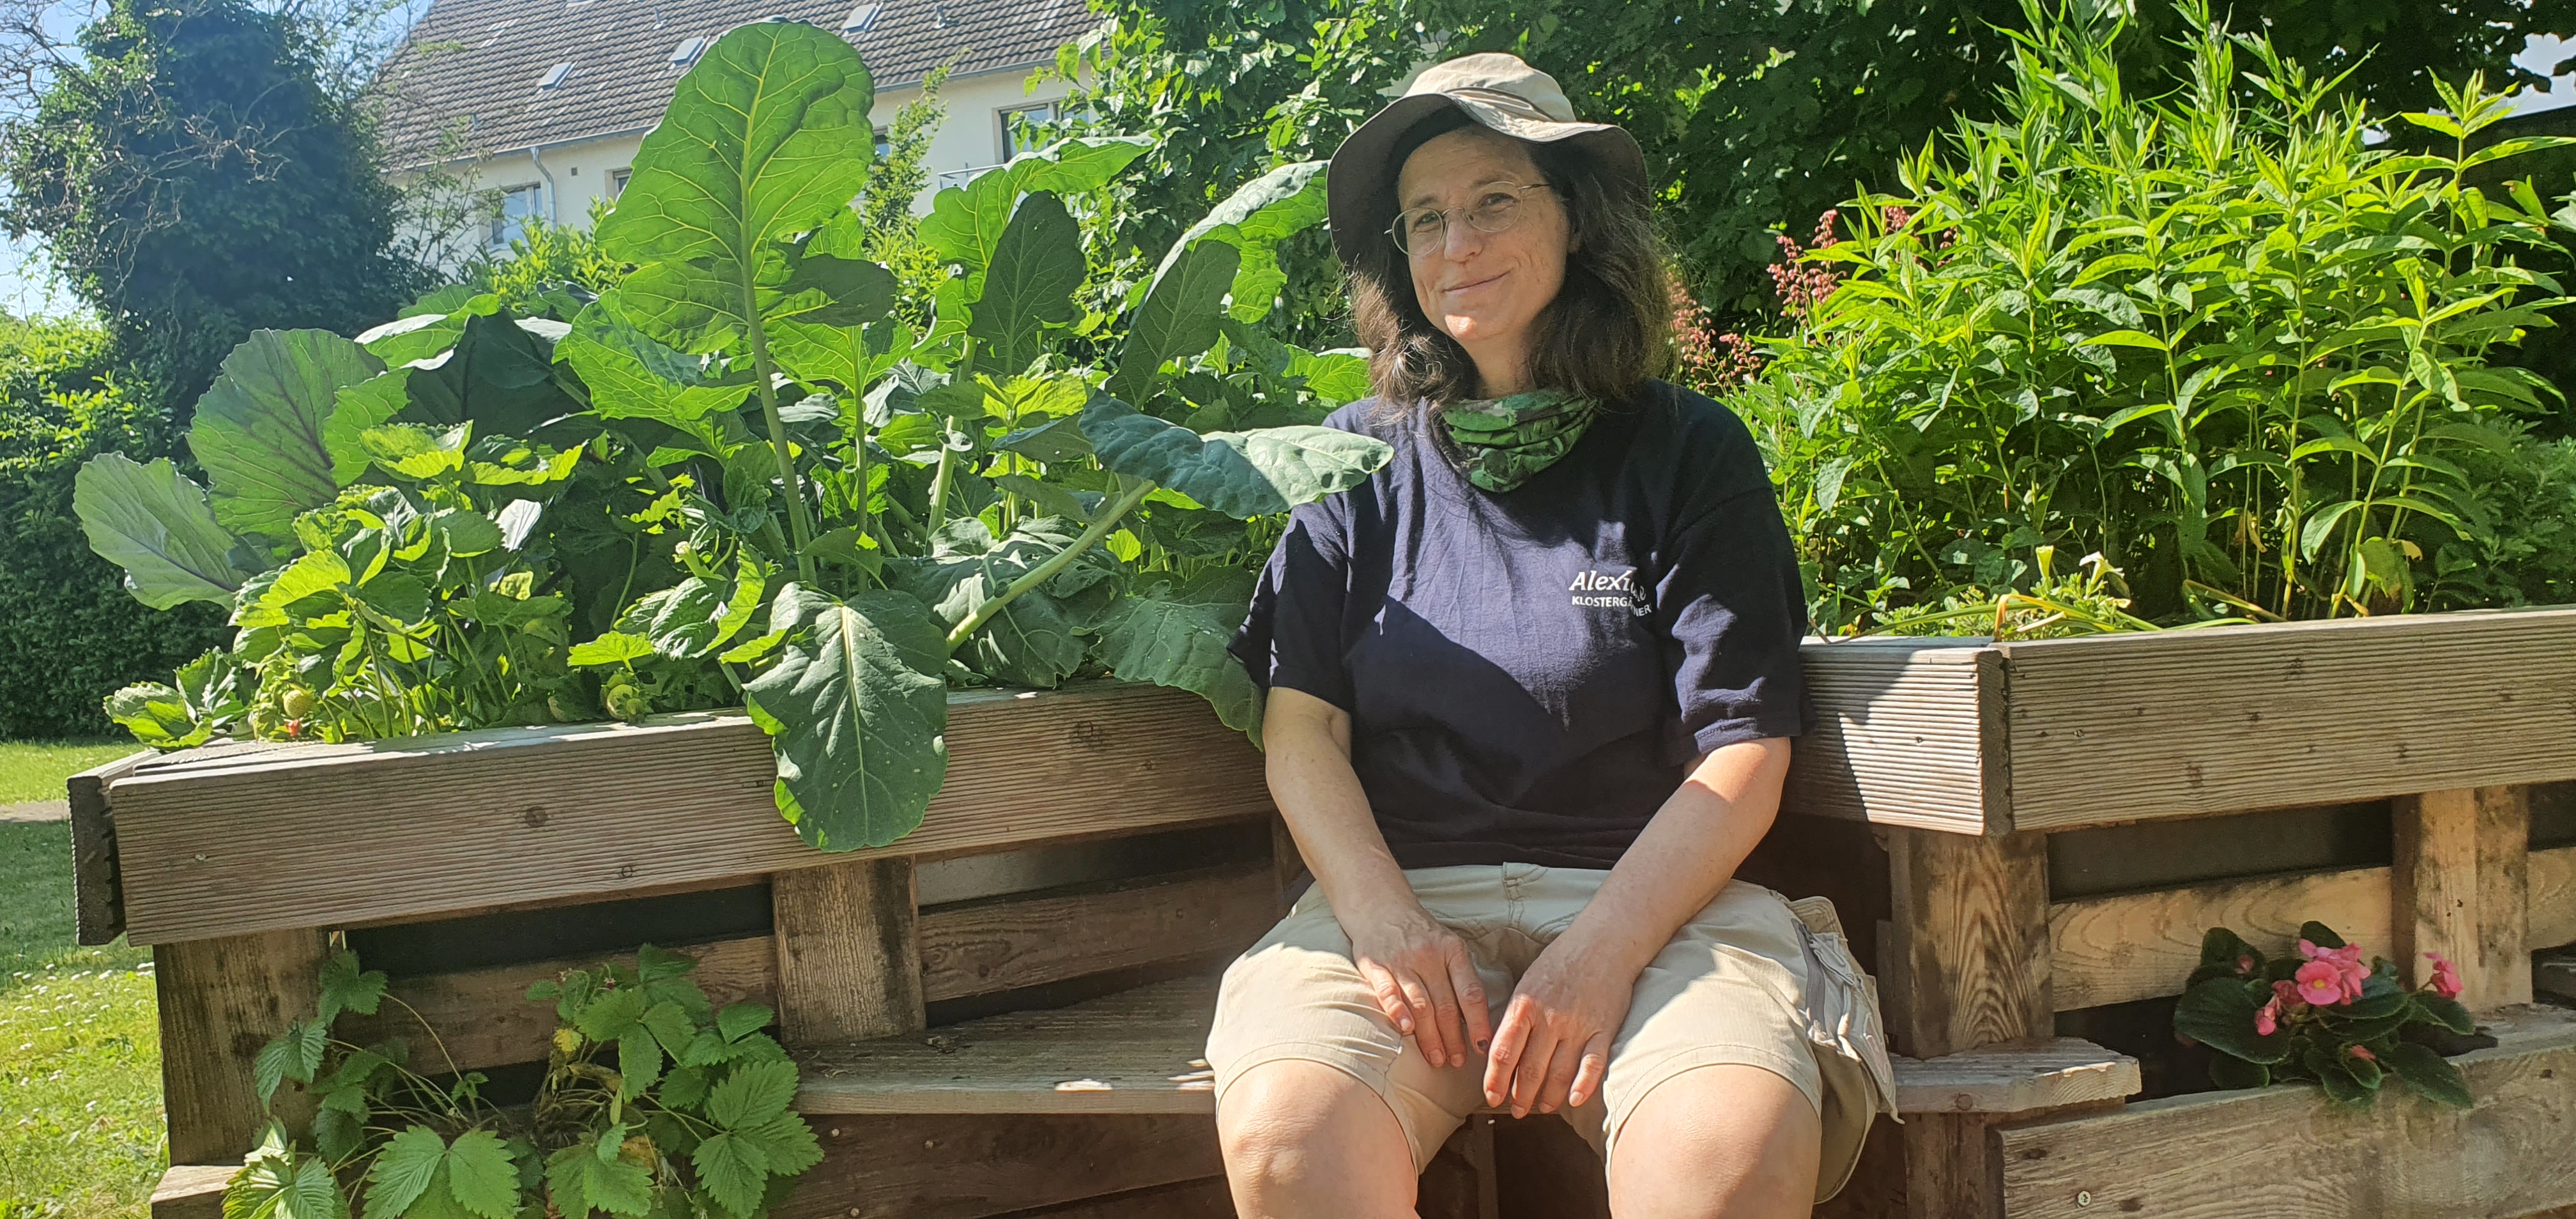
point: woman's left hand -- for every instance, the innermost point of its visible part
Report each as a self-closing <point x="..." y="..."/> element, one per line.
<point x="1553" y="1046"/>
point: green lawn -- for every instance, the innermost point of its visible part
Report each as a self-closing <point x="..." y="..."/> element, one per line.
<point x="80" y="1052"/>
<point x="35" y="770"/>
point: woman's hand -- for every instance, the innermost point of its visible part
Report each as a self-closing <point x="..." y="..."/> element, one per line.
<point x="1554" y="1044"/>
<point x="1423" y="980"/>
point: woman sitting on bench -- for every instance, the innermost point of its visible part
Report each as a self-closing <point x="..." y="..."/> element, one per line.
<point x="1530" y="695"/>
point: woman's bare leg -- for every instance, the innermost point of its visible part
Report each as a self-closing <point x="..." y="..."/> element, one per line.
<point x="1732" y="1141"/>
<point x="1305" y="1141"/>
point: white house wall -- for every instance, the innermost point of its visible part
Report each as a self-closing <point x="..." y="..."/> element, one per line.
<point x="572" y="176"/>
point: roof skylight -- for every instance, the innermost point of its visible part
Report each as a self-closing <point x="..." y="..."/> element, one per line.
<point x="555" y="76"/>
<point x="687" y="52"/>
<point x="863" y="18"/>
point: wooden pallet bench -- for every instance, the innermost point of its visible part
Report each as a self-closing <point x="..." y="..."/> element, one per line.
<point x="2023" y="837"/>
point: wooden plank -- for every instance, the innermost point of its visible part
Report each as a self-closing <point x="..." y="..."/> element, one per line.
<point x="2503" y="897"/>
<point x="231" y="841"/>
<point x="1899" y="738"/>
<point x="849" y="954"/>
<point x="192" y="1191"/>
<point x="967" y="1166"/>
<point x="2286" y="1151"/>
<point x="2134" y="727"/>
<point x="482" y="1018"/>
<point x="2552" y="877"/>
<point x="979" y="948"/>
<point x="1970" y="928"/>
<point x="220" y="1001"/>
<point x="98" y="908"/>
<point x="2014" y="1079"/>
<point x="1951" y="1170"/>
<point x="1136" y="1051"/>
<point x="2105" y="950"/>
<point x="1206" y="1198"/>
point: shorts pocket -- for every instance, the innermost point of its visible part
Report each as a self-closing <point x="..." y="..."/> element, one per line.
<point x="1850" y="1041"/>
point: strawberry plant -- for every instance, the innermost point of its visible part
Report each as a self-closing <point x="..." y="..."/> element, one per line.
<point x="653" y="1102"/>
<point x="741" y="476"/>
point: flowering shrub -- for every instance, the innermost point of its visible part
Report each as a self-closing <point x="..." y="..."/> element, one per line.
<point x="2321" y="1015"/>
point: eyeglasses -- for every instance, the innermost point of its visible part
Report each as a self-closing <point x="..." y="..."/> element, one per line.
<point x="1496" y="209"/>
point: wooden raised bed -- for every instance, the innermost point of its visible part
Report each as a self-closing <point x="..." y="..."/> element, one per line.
<point x="1962" y="802"/>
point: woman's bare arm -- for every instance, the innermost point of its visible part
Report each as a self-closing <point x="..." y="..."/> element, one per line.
<point x="1418" y="968"/>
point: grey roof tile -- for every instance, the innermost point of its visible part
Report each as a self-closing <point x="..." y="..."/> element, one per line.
<point x="473" y="67"/>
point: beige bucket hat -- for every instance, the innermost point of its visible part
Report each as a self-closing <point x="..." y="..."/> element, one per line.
<point x="1492" y="88"/>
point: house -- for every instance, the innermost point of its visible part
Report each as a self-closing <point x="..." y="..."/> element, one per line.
<point x="543" y="103"/>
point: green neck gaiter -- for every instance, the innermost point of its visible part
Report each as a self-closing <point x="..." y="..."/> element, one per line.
<point x="1508" y="440"/>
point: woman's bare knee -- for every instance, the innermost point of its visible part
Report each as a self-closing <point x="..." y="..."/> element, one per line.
<point x="1303" y="1139"/>
<point x="1732" y="1141"/>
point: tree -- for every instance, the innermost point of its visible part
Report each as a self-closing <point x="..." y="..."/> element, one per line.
<point x="194" y="180"/>
<point x="1753" y="116"/>
<point x="69" y="634"/>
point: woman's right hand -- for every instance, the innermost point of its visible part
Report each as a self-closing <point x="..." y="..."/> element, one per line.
<point x="1424" y="982"/>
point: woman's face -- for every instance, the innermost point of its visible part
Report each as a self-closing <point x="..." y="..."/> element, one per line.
<point x="1484" y="289"/>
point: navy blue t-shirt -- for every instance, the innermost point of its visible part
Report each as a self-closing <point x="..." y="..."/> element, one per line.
<point x="1529" y="673"/>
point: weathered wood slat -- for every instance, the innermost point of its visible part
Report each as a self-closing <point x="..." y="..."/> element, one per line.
<point x="220" y="1001"/>
<point x="849" y="951"/>
<point x="483" y="1018"/>
<point x="1137" y="1051"/>
<point x="2551" y="875"/>
<point x="1971" y="943"/>
<point x="243" y="840"/>
<point x="192" y="1191"/>
<point x="1899" y="737"/>
<point x="2134" y="946"/>
<point x="960" y="1166"/>
<point x="2132" y="727"/>
<point x="2286" y="1151"/>
<point x="98" y="908"/>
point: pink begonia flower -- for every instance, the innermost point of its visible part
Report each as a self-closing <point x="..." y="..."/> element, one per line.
<point x="2268" y="1020"/>
<point x="2286" y="994"/>
<point x="2363" y="1053"/>
<point x="2245" y="965"/>
<point x="2349" y="972"/>
<point x="2446" y="977"/>
<point x="2320" y="983"/>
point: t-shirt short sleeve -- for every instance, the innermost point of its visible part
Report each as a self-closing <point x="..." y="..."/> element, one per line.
<point x="1732" y="604"/>
<point x="1293" y="635"/>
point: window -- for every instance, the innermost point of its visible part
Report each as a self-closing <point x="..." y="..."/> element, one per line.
<point x="687" y="52"/>
<point x="863" y="18"/>
<point x="885" y="143"/>
<point x="1016" y="121"/>
<point x="617" y="181"/>
<point x="554" y="76"/>
<point x="510" y="220"/>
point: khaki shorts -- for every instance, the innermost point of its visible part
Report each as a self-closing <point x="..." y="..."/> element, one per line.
<point x="1747" y="981"/>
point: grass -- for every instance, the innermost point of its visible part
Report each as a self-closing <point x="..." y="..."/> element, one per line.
<point x="35" y="770"/>
<point x="80" y="1052"/>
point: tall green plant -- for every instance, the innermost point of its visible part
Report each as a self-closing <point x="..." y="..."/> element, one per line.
<point x="2216" y="338"/>
<point x="799" y="498"/>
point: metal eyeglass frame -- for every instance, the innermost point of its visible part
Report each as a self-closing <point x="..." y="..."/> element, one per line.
<point x="1520" y="190"/>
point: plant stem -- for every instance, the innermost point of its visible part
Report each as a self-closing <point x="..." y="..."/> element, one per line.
<point x="797" y="520"/>
<point x="1100" y="527"/>
<point x="939" y="484"/>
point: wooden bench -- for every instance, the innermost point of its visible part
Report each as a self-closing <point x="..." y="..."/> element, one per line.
<point x="1138" y="1052"/>
<point x="2021" y="838"/>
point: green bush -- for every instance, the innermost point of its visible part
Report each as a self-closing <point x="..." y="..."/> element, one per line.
<point x="69" y="634"/>
<point x="2215" y="337"/>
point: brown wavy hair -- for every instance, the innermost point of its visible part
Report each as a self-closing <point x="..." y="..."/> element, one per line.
<point x="1609" y="329"/>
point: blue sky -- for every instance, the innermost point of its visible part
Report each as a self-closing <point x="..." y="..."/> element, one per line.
<point x="28" y="288"/>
